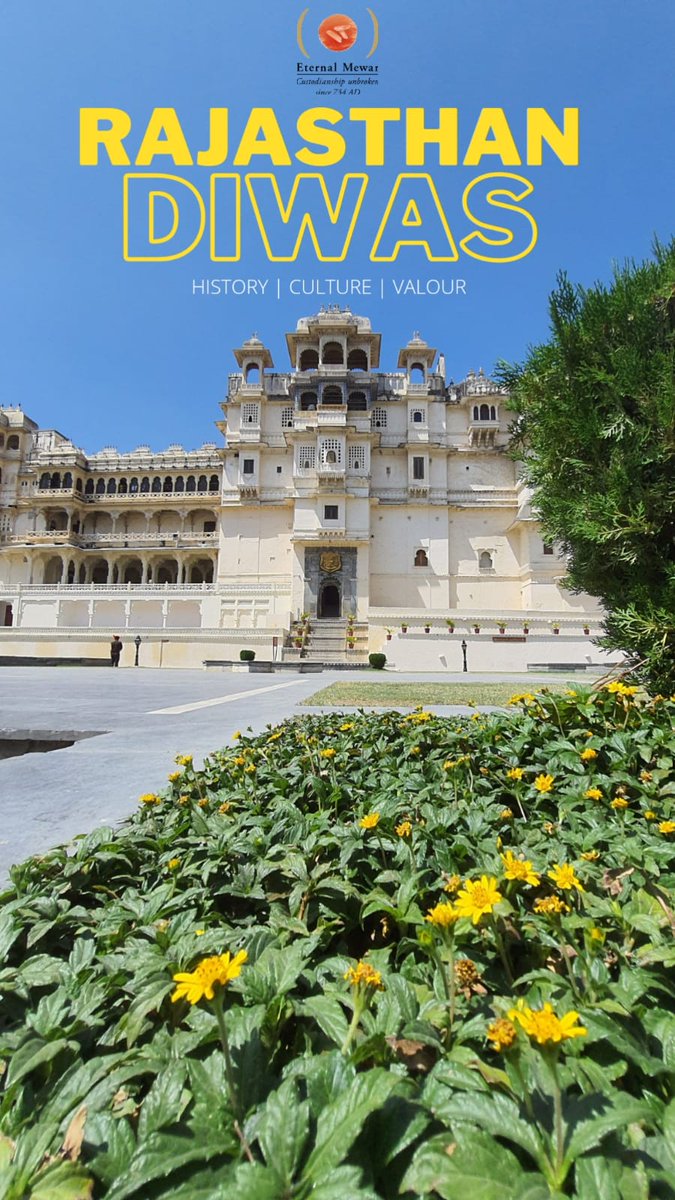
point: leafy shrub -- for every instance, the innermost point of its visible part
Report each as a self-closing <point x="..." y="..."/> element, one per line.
<point x="403" y="897"/>
<point x="247" y="655"/>
<point x="377" y="661"/>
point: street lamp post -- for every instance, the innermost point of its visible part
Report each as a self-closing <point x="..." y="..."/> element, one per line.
<point x="464" y="666"/>
<point x="137" y="644"/>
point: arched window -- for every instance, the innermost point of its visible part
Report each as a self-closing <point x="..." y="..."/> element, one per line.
<point x="357" y="360"/>
<point x="493" y="413"/>
<point x="156" y="484"/>
<point x="214" y="483"/>
<point x="333" y="354"/>
<point x="331" y="456"/>
<point x="485" y="412"/>
<point x="416" y="373"/>
<point x="2" y="440"/>
<point x="306" y="465"/>
<point x="332" y="395"/>
<point x="168" y="484"/>
<point x="252" y="372"/>
<point x="122" y="487"/>
<point x="55" y="480"/>
<point x="100" y="487"/>
<point x="476" y="413"/>
<point x="357" y="402"/>
<point x="112" y="487"/>
<point x="308" y="401"/>
<point x="13" y="442"/>
<point x="88" y="487"/>
<point x="202" y="485"/>
<point x="309" y="360"/>
<point x="133" y="485"/>
<point x="485" y="561"/>
<point x="191" y="485"/>
<point x="179" y="485"/>
<point x="418" y="417"/>
<point x="78" y="484"/>
<point x="421" y="558"/>
<point x="133" y="572"/>
<point x="145" y="484"/>
<point x="67" y="480"/>
<point x="45" y="480"/>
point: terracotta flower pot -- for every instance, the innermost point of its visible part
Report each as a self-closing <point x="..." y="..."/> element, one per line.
<point x="404" y="628"/>
<point x="427" y="628"/>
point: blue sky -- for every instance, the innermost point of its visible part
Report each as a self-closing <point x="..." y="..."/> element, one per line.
<point x="122" y="353"/>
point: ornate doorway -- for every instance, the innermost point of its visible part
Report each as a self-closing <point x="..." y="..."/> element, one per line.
<point x="329" y="602"/>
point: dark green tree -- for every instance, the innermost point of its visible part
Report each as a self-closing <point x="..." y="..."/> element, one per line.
<point x="595" y="428"/>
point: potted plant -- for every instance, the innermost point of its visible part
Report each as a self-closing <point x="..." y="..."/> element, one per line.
<point x="388" y="633"/>
<point x="404" y="627"/>
<point x="555" y="627"/>
<point x="502" y="626"/>
<point x="476" y="627"/>
<point x="427" y="628"/>
<point x="586" y="630"/>
<point x="450" y="624"/>
<point x="297" y="642"/>
<point x="526" y="628"/>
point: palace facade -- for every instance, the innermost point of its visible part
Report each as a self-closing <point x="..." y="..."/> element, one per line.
<point x="370" y="499"/>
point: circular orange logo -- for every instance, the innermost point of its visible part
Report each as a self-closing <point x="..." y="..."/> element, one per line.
<point x="338" y="33"/>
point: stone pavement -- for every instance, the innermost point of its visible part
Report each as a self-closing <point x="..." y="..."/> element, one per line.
<point x="146" y="718"/>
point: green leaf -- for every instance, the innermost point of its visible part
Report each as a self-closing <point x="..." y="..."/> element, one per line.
<point x="471" y="1165"/>
<point x="163" y="1153"/>
<point x="252" y="1181"/>
<point x="165" y="1102"/>
<point x="65" y="1181"/>
<point x="283" y="1130"/>
<point x="589" y="1134"/>
<point x="344" y="1184"/>
<point x="329" y="1016"/>
<point x="34" y="1053"/>
<point x="496" y="1115"/>
<point x="343" y="1120"/>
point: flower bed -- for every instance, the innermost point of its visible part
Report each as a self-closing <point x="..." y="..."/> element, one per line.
<point x="361" y="957"/>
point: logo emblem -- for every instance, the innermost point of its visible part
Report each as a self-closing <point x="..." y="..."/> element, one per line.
<point x="338" y="33"/>
<point x="330" y="562"/>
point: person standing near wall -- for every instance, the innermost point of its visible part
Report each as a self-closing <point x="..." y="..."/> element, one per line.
<point x="115" y="650"/>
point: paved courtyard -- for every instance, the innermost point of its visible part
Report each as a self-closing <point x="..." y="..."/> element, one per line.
<point x="144" y="719"/>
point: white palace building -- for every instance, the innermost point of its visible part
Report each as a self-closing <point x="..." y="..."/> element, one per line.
<point x="383" y="504"/>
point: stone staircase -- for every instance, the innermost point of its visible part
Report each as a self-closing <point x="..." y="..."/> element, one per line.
<point x="327" y="643"/>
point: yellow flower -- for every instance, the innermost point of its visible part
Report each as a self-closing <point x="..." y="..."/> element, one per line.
<point x="506" y="814"/>
<point x="667" y="827"/>
<point x="346" y="727"/>
<point x="449" y="764"/>
<point x="544" y="783"/>
<point x="523" y="698"/>
<point x="150" y="798"/>
<point x="453" y="884"/>
<point x="591" y="855"/>
<point x="199" y="984"/>
<point x="199" y="932"/>
<point x="620" y="689"/>
<point x="645" y="776"/>
<point x="404" y="829"/>
<point x="183" y="760"/>
<point x="515" y="773"/>
<point x="444" y="915"/>
<point x="619" y="802"/>
<point x="544" y="1027"/>
<point x="414" y="749"/>
<point x="369" y="821"/>
<point x="203" y="803"/>
<point x="363" y="975"/>
<point x="650" y="815"/>
<point x="502" y="1034"/>
<point x="597" y="935"/>
<point x="551" y="906"/>
<point x="183" y="800"/>
<point x="329" y="753"/>
<point x="588" y="754"/>
<point x="236" y="735"/>
<point x="174" y="864"/>
<point x="519" y="868"/>
<point x="549" y="827"/>
<point x="476" y="716"/>
<point x="224" y="807"/>
<point x="250" y="769"/>
<point x="563" y="877"/>
<point x="478" y="898"/>
<point x="593" y="794"/>
<point x="274" y="737"/>
<point x="239" y="760"/>
<point x="174" y="776"/>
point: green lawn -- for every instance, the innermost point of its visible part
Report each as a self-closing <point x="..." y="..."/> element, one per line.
<point x="408" y="695"/>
